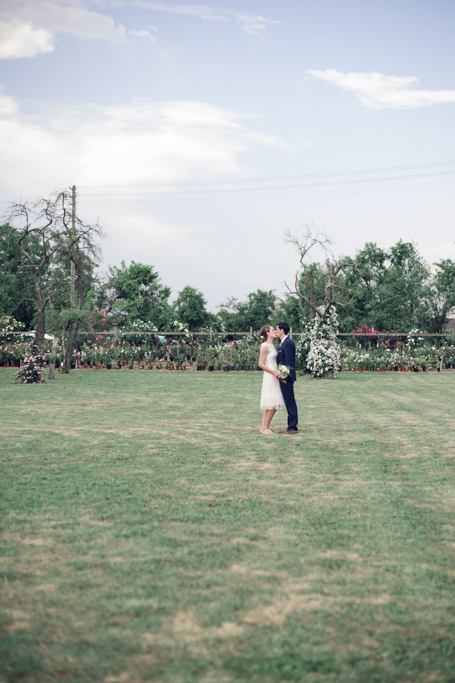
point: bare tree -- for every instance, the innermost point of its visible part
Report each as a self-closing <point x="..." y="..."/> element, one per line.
<point x="37" y="221"/>
<point x="80" y="246"/>
<point x="47" y="221"/>
<point x="332" y="273"/>
<point x="303" y="243"/>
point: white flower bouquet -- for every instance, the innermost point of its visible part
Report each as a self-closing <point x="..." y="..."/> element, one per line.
<point x="283" y="371"/>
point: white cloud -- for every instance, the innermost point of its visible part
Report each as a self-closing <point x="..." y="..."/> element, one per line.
<point x="28" y="29"/>
<point x="200" y="11"/>
<point x="109" y="152"/>
<point x="142" y="34"/>
<point x="138" y="143"/>
<point x="253" y="24"/>
<point x="21" y="39"/>
<point x="76" y="21"/>
<point x="8" y="107"/>
<point x="377" y="91"/>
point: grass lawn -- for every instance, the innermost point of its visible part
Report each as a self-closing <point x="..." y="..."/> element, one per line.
<point x="150" y="533"/>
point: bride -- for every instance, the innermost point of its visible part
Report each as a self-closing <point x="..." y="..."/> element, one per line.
<point x="271" y="396"/>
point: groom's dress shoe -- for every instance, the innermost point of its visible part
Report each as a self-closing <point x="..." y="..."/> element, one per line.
<point x="289" y="431"/>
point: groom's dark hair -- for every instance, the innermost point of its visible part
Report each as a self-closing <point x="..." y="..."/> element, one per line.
<point x="285" y="327"/>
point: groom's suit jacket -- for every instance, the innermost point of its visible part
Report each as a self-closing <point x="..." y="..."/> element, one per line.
<point x="286" y="356"/>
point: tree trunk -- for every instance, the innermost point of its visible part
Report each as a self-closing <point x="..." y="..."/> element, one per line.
<point x="329" y="283"/>
<point x="51" y="374"/>
<point x="69" y="348"/>
<point x="72" y="340"/>
<point x="40" y="325"/>
<point x="311" y="297"/>
<point x="55" y="343"/>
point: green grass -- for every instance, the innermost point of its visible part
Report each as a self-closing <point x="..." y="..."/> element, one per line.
<point x="150" y="533"/>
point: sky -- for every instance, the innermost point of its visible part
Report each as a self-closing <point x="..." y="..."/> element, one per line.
<point x="199" y="134"/>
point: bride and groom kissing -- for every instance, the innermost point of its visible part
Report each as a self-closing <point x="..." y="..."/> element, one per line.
<point x="277" y="390"/>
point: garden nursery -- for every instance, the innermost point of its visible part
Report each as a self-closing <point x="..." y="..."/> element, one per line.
<point x="317" y="353"/>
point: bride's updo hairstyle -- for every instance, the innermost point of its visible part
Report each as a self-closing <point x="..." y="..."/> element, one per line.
<point x="263" y="332"/>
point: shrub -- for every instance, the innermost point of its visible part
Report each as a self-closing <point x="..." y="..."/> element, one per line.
<point x="31" y="371"/>
<point x="302" y="349"/>
<point x="324" y="354"/>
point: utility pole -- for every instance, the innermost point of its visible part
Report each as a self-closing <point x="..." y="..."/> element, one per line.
<point x="73" y="234"/>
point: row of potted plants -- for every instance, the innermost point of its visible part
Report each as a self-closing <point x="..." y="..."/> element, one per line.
<point x="102" y="351"/>
<point x="384" y="359"/>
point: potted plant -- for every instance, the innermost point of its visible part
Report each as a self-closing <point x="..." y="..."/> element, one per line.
<point x="108" y="358"/>
<point x="380" y="363"/>
<point x="224" y="360"/>
<point x="234" y="359"/>
<point x="210" y="357"/>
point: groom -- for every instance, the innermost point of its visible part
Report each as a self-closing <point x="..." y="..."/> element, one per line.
<point x="286" y="356"/>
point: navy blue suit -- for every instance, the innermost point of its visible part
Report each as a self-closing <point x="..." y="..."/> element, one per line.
<point x="286" y="356"/>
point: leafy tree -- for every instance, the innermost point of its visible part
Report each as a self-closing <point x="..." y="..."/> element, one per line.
<point x="441" y="294"/>
<point x="135" y="293"/>
<point x="311" y="288"/>
<point x="225" y="319"/>
<point x="304" y="280"/>
<point x="190" y="308"/>
<point x="317" y="287"/>
<point x="388" y="288"/>
<point x="17" y="292"/>
<point x="290" y="311"/>
<point x="47" y="223"/>
<point x="259" y="309"/>
<point x="83" y="267"/>
<point x="61" y="299"/>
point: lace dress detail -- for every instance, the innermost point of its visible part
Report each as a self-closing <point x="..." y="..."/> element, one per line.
<point x="271" y="396"/>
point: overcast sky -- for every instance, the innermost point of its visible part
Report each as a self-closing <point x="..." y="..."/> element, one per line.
<point x="199" y="133"/>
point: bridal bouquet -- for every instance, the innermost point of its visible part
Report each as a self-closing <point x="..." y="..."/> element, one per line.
<point x="283" y="372"/>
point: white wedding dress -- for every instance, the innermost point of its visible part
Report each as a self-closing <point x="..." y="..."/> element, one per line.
<point x="271" y="396"/>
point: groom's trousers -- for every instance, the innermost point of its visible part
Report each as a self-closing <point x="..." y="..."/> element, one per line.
<point x="291" y="406"/>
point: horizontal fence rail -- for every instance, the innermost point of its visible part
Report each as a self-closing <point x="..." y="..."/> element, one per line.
<point x="210" y="348"/>
<point x="213" y="333"/>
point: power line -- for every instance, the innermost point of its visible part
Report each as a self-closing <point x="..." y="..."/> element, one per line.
<point x="386" y="169"/>
<point x="241" y="187"/>
<point x="169" y="199"/>
<point x="273" y="188"/>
